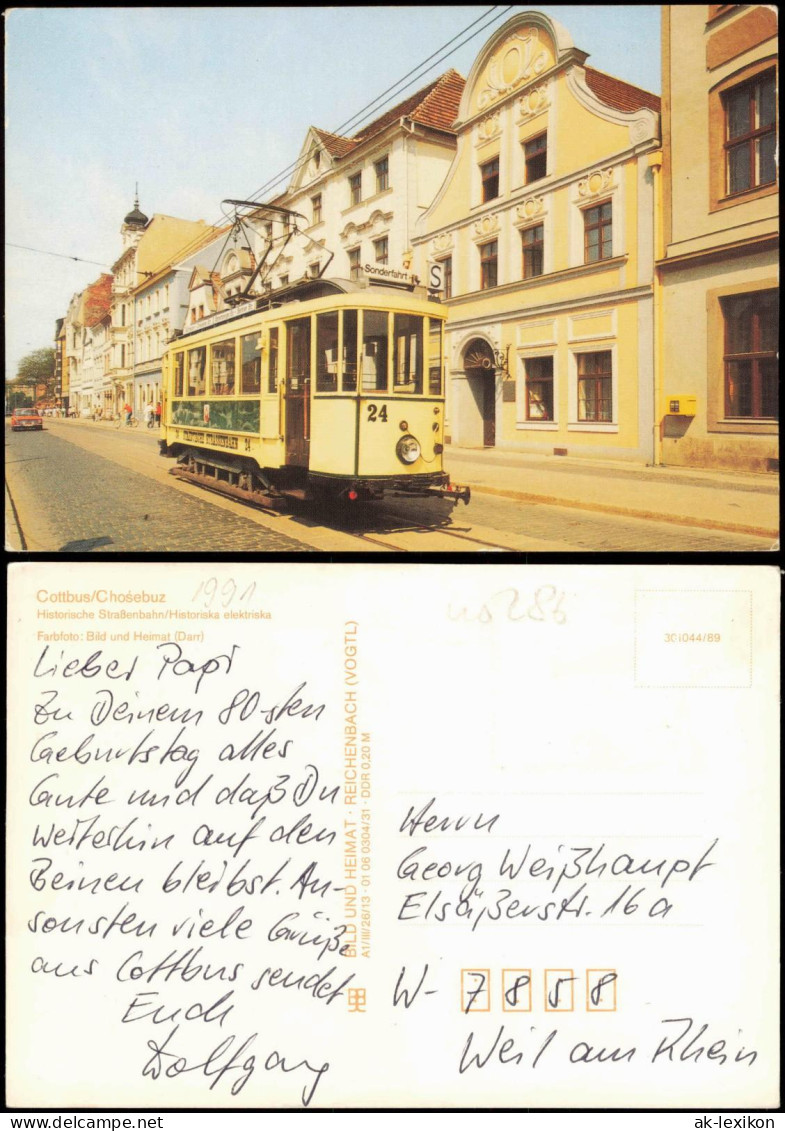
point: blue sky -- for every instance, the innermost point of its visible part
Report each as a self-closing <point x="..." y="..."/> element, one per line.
<point x="199" y="104"/>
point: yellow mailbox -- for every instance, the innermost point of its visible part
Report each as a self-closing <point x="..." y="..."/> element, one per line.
<point x="679" y="405"/>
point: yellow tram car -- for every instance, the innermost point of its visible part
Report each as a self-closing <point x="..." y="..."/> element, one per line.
<point x="326" y="390"/>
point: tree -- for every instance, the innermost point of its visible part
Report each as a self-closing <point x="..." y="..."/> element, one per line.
<point x="34" y="381"/>
<point x="37" y="368"/>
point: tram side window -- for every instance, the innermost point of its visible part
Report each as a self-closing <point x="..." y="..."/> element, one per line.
<point x="251" y="372"/>
<point x="272" y="362"/>
<point x="435" y="357"/>
<point x="196" y="371"/>
<point x="178" y="374"/>
<point x="298" y="354"/>
<point x="407" y="353"/>
<point x="350" y="351"/>
<point x="374" y="361"/>
<point x="327" y="353"/>
<point x="222" y="368"/>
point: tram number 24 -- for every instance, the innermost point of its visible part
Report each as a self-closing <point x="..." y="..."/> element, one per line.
<point x="375" y="413"/>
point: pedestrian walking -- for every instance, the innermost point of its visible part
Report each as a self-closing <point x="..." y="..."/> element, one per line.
<point x="149" y="414"/>
<point x="158" y="414"/>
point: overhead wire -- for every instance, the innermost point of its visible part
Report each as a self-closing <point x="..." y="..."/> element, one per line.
<point x="192" y="245"/>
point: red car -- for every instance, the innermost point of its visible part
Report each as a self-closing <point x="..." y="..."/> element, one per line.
<point x="25" y="418"/>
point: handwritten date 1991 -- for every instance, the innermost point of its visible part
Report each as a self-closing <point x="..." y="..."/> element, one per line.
<point x="545" y="606"/>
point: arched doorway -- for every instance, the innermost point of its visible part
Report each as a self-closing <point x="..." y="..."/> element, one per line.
<point x="480" y="369"/>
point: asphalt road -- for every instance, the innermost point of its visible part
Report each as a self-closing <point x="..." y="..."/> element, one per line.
<point x="79" y="487"/>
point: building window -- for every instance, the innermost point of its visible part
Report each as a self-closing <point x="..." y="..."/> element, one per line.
<point x="316" y="209"/>
<point x="251" y="371"/>
<point x="382" y="169"/>
<point x="750" y="134"/>
<point x="539" y="388"/>
<point x="490" y="180"/>
<point x="283" y="280"/>
<point x="489" y="265"/>
<point x="535" y="156"/>
<point x="314" y="269"/>
<point x="532" y="240"/>
<point x="598" y="232"/>
<point x="122" y="357"/>
<point x="750" y="354"/>
<point x="355" y="188"/>
<point x="268" y="231"/>
<point x="355" y="267"/>
<point x="447" y="269"/>
<point x="122" y="316"/>
<point x="595" y="386"/>
<point x="166" y="296"/>
<point x="381" y="248"/>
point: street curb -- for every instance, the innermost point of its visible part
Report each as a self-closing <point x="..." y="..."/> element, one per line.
<point x="630" y="512"/>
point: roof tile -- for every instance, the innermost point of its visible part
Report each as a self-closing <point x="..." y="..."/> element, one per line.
<point x="620" y="95"/>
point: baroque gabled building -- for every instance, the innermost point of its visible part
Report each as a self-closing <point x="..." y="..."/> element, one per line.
<point x="543" y="230"/>
<point x="718" y="264"/>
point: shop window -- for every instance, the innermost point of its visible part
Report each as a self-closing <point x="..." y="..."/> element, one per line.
<point x="350" y="351"/>
<point x="374" y="355"/>
<point x="750" y="134"/>
<point x="382" y="170"/>
<point x="533" y="242"/>
<point x="489" y="265"/>
<point x="272" y="362"/>
<point x="327" y="353"/>
<point x="355" y="188"/>
<point x="489" y="175"/>
<point x="750" y="354"/>
<point x="381" y="249"/>
<point x="407" y="353"/>
<point x="539" y="388"/>
<point x="595" y="386"/>
<point x="535" y="158"/>
<point x="196" y="371"/>
<point x="598" y="232"/>
<point x="355" y="267"/>
<point x="251" y="363"/>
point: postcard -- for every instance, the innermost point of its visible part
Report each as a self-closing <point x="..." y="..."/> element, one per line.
<point x="289" y="837"/>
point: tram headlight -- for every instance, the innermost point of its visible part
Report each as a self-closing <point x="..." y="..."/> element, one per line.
<point x="408" y="449"/>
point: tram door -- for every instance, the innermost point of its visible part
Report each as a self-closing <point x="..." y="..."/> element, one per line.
<point x="298" y="389"/>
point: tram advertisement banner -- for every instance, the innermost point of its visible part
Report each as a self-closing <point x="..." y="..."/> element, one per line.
<point x="282" y="836"/>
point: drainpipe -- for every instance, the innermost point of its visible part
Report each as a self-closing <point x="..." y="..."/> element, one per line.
<point x="655" y="164"/>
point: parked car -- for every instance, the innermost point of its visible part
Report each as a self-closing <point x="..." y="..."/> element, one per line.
<point x="26" y="418"/>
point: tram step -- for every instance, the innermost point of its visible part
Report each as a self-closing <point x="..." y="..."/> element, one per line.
<point x="293" y="492"/>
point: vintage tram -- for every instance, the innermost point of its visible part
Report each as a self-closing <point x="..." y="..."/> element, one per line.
<point x="328" y="390"/>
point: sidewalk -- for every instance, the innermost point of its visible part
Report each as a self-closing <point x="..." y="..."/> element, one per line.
<point x="741" y="502"/>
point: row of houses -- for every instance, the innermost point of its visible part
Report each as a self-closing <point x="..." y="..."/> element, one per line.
<point x="608" y="259"/>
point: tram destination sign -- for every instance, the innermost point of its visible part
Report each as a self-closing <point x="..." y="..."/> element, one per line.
<point x="222" y="316"/>
<point x="376" y="273"/>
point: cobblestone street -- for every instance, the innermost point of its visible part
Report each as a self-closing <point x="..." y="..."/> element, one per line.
<point x="74" y="500"/>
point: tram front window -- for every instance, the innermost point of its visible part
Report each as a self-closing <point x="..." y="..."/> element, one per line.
<point x="407" y="353"/>
<point x="374" y="359"/>
<point x="350" y="351"/>
<point x="298" y="354"/>
<point x="435" y="358"/>
<point x="327" y="353"/>
<point x="178" y="374"/>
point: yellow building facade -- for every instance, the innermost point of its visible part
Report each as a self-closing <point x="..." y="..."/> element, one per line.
<point x="543" y="230"/>
<point x="717" y="267"/>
